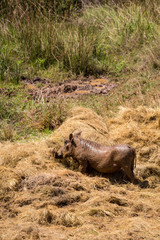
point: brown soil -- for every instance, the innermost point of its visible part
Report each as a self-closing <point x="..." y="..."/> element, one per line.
<point x="41" y="198"/>
<point x="43" y="89"/>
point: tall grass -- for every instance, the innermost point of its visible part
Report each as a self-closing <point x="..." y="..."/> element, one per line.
<point x="100" y="39"/>
<point x="124" y="32"/>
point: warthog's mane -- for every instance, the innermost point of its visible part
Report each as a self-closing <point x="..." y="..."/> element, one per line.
<point x="90" y="144"/>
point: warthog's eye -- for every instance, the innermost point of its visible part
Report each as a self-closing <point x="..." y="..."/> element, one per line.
<point x="66" y="141"/>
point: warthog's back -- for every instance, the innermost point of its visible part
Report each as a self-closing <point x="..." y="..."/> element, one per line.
<point x="105" y="159"/>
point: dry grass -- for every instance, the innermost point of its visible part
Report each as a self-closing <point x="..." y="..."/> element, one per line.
<point x="140" y="128"/>
<point x="42" y="199"/>
<point x="81" y="119"/>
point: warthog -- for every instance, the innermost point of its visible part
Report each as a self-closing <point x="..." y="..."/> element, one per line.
<point x="103" y="159"/>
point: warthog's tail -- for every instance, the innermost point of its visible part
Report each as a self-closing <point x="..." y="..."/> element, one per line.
<point x="134" y="159"/>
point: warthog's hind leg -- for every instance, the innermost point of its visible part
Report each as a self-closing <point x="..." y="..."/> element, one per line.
<point x="129" y="173"/>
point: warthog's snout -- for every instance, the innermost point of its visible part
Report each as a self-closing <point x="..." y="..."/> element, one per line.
<point x="57" y="154"/>
<point x="64" y="151"/>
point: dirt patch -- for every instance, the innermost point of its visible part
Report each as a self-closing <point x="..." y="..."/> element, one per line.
<point x="43" y="89"/>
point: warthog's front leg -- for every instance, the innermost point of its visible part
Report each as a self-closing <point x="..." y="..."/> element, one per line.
<point x="83" y="166"/>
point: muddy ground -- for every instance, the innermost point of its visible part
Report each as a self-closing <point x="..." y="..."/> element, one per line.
<point x="42" y="198"/>
<point x="40" y="88"/>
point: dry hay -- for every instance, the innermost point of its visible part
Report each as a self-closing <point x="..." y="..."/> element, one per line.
<point x="9" y="181"/>
<point x="18" y="161"/>
<point x="139" y="127"/>
<point x="81" y="119"/>
<point x="40" y="199"/>
<point x="30" y="156"/>
<point x="62" y="217"/>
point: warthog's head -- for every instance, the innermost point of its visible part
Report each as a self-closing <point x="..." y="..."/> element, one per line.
<point x="68" y="147"/>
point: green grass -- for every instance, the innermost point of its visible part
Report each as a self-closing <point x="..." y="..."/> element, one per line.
<point x="21" y="116"/>
<point x="101" y="40"/>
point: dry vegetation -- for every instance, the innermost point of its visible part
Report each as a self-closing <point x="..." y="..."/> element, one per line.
<point x="41" y="198"/>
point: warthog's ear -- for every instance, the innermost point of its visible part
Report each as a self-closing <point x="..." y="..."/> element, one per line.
<point x="73" y="143"/>
<point x="78" y="134"/>
<point x="70" y="137"/>
<point x="72" y="140"/>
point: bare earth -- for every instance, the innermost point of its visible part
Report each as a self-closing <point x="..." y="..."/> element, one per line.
<point x="43" y="89"/>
